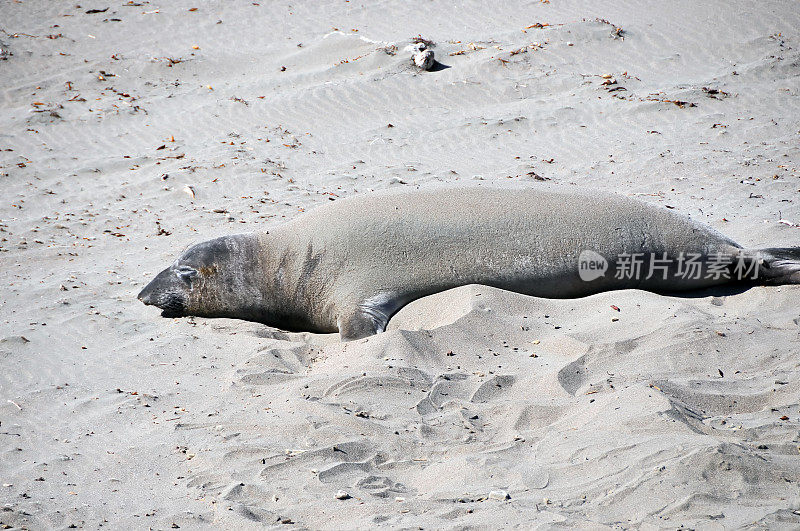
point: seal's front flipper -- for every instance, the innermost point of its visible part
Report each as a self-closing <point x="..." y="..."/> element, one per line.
<point x="369" y="317"/>
<point x="359" y="325"/>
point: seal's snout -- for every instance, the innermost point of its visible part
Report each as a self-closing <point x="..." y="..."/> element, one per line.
<point x="162" y="293"/>
<point x="149" y="295"/>
<point x="146" y="295"/>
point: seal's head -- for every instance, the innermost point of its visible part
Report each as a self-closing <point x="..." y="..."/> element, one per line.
<point x="203" y="281"/>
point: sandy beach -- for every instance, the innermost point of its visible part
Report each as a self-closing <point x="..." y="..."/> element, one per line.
<point x="131" y="130"/>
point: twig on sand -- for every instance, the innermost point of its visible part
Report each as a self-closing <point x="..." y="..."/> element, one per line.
<point x="679" y="103"/>
<point x="616" y="31"/>
<point x="18" y="406"/>
<point x="419" y="39"/>
<point x="17" y="35"/>
<point x="170" y="61"/>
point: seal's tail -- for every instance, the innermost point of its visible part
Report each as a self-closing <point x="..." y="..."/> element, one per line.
<point x="779" y="265"/>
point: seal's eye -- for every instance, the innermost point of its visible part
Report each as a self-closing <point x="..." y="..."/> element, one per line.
<point x="186" y="273"/>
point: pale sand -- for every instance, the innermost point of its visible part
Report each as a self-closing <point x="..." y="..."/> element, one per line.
<point x="670" y="415"/>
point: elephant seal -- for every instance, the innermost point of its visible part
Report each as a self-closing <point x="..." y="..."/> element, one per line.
<point x="350" y="265"/>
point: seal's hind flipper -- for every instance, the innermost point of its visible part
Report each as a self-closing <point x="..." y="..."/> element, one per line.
<point x="369" y="317"/>
<point x="780" y="265"/>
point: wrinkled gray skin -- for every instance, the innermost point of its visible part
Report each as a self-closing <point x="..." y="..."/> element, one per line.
<point x="350" y="265"/>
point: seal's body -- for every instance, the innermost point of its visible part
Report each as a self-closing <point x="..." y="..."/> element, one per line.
<point x="350" y="265"/>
